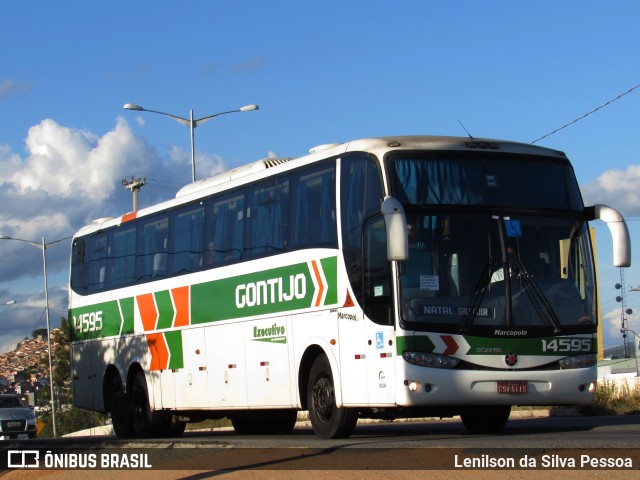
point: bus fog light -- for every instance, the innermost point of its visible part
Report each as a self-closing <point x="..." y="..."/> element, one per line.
<point x="427" y="387"/>
<point x="589" y="387"/>
<point x="412" y="385"/>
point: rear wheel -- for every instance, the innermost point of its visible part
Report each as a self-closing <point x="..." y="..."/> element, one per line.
<point x="120" y="418"/>
<point x="485" y="420"/>
<point x="327" y="419"/>
<point x="141" y="415"/>
<point x="168" y="426"/>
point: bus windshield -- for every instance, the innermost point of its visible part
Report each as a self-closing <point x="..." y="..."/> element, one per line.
<point x="483" y="270"/>
<point x="486" y="250"/>
<point x="485" y="180"/>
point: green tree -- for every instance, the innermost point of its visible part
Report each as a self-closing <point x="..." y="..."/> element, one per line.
<point x="40" y="332"/>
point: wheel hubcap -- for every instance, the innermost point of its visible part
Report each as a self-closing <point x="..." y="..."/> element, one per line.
<point x="323" y="398"/>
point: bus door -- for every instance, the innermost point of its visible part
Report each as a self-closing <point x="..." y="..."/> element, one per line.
<point x="353" y="355"/>
<point x="379" y="314"/>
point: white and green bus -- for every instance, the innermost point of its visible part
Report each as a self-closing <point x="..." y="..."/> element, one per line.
<point x="380" y="278"/>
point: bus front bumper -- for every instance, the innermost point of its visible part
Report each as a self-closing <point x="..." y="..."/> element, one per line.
<point x="424" y="386"/>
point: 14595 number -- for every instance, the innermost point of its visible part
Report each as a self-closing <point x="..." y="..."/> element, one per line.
<point x="88" y="322"/>
<point x="561" y="345"/>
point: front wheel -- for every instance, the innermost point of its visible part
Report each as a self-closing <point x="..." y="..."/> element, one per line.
<point x="327" y="420"/>
<point x="484" y="420"/>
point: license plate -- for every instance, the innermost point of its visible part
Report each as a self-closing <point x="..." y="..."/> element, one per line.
<point x="13" y="424"/>
<point x="513" y="387"/>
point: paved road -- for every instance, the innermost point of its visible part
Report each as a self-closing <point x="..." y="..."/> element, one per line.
<point x="392" y="451"/>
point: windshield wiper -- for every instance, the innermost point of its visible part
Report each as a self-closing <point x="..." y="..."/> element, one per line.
<point x="538" y="298"/>
<point x="478" y="295"/>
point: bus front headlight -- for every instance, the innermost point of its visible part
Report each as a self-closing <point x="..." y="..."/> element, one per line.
<point x="434" y="360"/>
<point x="579" y="361"/>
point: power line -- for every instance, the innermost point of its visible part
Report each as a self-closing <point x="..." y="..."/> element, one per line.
<point x="589" y="113"/>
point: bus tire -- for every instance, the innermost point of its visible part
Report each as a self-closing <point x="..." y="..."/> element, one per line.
<point x="118" y="408"/>
<point x="139" y="408"/>
<point x="169" y="427"/>
<point x="327" y="420"/>
<point x="486" y="420"/>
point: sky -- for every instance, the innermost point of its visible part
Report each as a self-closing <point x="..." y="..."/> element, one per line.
<point x="321" y="72"/>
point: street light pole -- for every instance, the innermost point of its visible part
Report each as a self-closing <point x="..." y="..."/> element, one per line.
<point x="46" y="310"/>
<point x="191" y="123"/>
<point x="636" y="347"/>
<point x="43" y="246"/>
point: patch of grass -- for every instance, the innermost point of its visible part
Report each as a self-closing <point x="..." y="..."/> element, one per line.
<point x="209" y="424"/>
<point x="614" y="399"/>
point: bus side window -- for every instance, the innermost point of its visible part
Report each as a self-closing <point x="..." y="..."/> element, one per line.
<point x="361" y="195"/>
<point x="97" y="261"/>
<point x="151" y="250"/>
<point x="313" y="211"/>
<point x="266" y="217"/>
<point x="186" y="238"/>
<point x="121" y="254"/>
<point x="225" y="228"/>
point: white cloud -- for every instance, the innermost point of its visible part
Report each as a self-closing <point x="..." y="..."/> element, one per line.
<point x="206" y="165"/>
<point x="69" y="163"/>
<point x="612" y="324"/>
<point x="617" y="188"/>
<point x="68" y="178"/>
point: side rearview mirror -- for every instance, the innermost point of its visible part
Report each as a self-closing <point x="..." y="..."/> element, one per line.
<point x="619" y="232"/>
<point x="395" y="223"/>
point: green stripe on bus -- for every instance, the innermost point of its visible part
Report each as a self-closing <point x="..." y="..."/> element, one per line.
<point x="552" y="346"/>
<point x="174" y="344"/>
<point x="95" y="321"/>
<point x="165" y="309"/>
<point x="277" y="290"/>
<point x="330" y="267"/>
<point x="414" y="343"/>
<point x="282" y="289"/>
<point x="126" y="307"/>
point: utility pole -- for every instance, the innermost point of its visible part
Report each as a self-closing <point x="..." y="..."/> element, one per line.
<point x="135" y="184"/>
<point x="623" y="312"/>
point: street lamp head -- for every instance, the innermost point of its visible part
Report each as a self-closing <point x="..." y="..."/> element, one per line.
<point x="133" y="106"/>
<point x="10" y="302"/>
<point x="248" y="108"/>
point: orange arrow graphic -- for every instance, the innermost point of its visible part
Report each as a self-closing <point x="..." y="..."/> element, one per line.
<point x="321" y="285"/>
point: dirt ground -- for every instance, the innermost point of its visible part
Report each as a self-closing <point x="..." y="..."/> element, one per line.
<point x="323" y="475"/>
